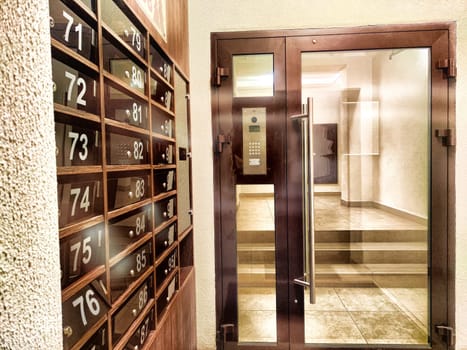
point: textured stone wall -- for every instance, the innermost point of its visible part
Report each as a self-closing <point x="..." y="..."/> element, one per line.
<point x="30" y="307"/>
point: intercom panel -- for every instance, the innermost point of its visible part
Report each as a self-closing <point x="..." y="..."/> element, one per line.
<point x="254" y="141"/>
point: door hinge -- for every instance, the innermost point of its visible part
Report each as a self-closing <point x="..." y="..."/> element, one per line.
<point x="448" y="334"/>
<point x="223" y="334"/>
<point x="447" y="136"/>
<point x="221" y="72"/>
<point x="448" y="65"/>
<point x="221" y="140"/>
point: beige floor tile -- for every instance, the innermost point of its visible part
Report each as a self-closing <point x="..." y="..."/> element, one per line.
<point x="257" y="326"/>
<point x="388" y="328"/>
<point x="365" y="299"/>
<point x="412" y="299"/>
<point x="256" y="299"/>
<point x="331" y="327"/>
<point x="326" y="300"/>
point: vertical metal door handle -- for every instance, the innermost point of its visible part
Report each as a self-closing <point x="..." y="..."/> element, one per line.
<point x="309" y="279"/>
<point x="311" y="206"/>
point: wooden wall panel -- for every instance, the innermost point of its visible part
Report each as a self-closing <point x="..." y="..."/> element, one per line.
<point x="185" y="318"/>
<point x="177" y="330"/>
<point x="177" y="32"/>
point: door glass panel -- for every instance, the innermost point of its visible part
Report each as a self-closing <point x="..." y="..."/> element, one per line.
<point x="256" y="268"/>
<point x="253" y="75"/>
<point x="371" y="147"/>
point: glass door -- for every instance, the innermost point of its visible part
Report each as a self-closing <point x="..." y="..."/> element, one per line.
<point x="363" y="137"/>
<point x="331" y="189"/>
<point x="367" y="196"/>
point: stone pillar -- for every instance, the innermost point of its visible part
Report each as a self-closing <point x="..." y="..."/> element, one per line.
<point x="30" y="296"/>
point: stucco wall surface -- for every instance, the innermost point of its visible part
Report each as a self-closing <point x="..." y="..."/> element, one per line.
<point x="30" y="298"/>
<point x="226" y="15"/>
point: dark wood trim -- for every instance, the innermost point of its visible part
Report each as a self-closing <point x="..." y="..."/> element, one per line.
<point x="452" y="187"/>
<point x="370" y="29"/>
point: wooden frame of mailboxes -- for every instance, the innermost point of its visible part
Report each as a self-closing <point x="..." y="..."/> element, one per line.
<point x="100" y="172"/>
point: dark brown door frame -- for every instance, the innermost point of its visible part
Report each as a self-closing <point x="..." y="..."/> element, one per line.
<point x="440" y="37"/>
<point x="228" y="111"/>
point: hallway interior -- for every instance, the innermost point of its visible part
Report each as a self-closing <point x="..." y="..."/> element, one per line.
<point x="371" y="274"/>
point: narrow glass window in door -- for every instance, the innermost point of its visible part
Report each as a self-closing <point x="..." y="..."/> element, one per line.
<point x="370" y="192"/>
<point x="256" y="266"/>
<point x="253" y="75"/>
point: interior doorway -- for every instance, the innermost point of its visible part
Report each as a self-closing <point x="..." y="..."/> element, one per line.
<point x="330" y="181"/>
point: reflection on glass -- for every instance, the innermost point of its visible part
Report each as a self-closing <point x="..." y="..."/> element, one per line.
<point x="79" y="198"/>
<point x="121" y="106"/>
<point x="73" y="88"/>
<point x="77" y="145"/>
<point x="160" y="63"/>
<point x="256" y="268"/>
<point x="253" y="75"/>
<point x="121" y="66"/>
<point x="126" y="190"/>
<point x="91" y="4"/>
<point x="71" y="30"/>
<point x="161" y="93"/>
<point x="371" y="226"/>
<point x="114" y="17"/>
<point x="129" y="228"/>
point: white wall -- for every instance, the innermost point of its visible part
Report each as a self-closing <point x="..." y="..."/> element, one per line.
<point x="403" y="96"/>
<point x="226" y="15"/>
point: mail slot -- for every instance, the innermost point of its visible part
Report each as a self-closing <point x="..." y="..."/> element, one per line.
<point x="166" y="296"/>
<point x="127" y="188"/>
<point x="165" y="239"/>
<point x="129" y="269"/>
<point x="98" y="341"/>
<point x="164" y="181"/>
<point x="81" y="252"/>
<point x="164" y="269"/>
<point x="161" y="93"/>
<point x="122" y="65"/>
<point x="82" y="311"/>
<point x="162" y="122"/>
<point x="127" y="149"/>
<point x="129" y="228"/>
<point x="164" y="210"/>
<point x="77" y="145"/>
<point x="74" y="85"/>
<point x="160" y="63"/>
<point x="79" y="198"/>
<point x="163" y="153"/>
<point x="128" y="30"/>
<point x="132" y="308"/>
<point x="72" y="31"/>
<point x="139" y="337"/>
<point x="124" y="107"/>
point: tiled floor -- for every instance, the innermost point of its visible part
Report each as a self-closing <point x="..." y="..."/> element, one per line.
<point x="365" y="316"/>
<point x="342" y="314"/>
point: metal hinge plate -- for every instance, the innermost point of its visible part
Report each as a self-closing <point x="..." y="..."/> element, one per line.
<point x="221" y="140"/>
<point x="448" y="334"/>
<point x="448" y="136"/>
<point x="221" y="72"/>
<point x="448" y="65"/>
